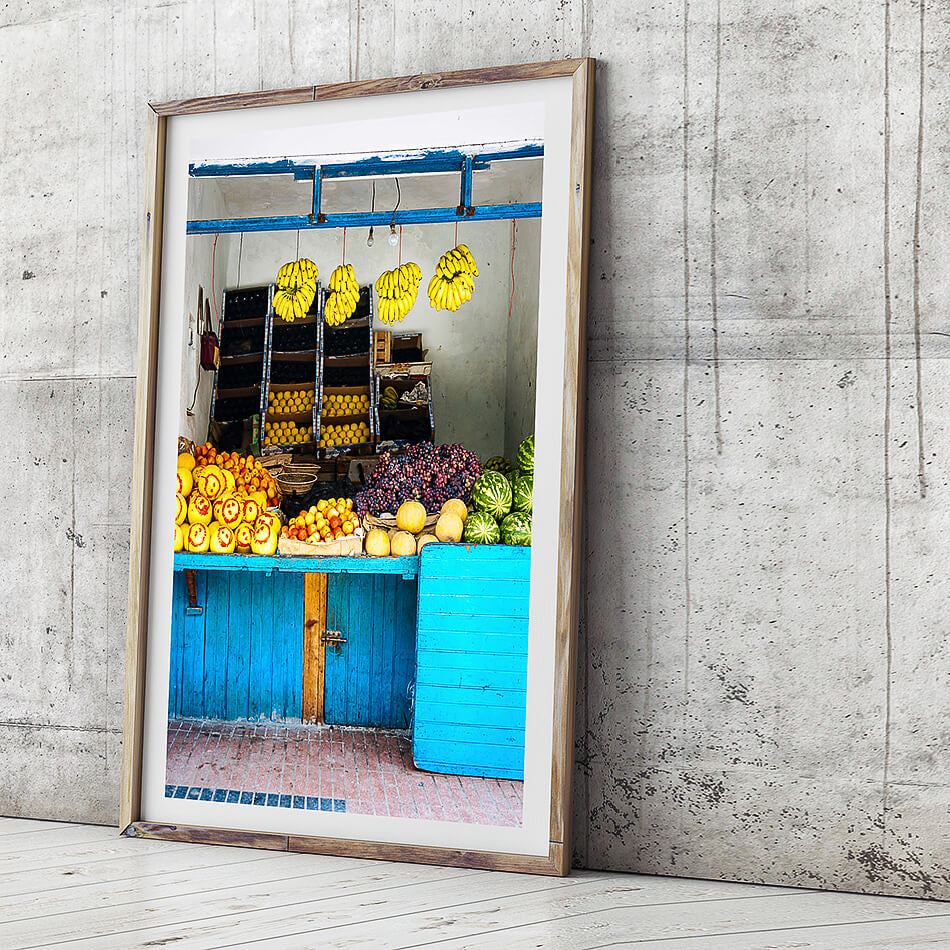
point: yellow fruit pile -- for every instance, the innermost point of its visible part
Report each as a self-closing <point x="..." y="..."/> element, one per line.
<point x="349" y="434"/>
<point x="327" y="520"/>
<point x="296" y="288"/>
<point x="397" y="291"/>
<point x="336" y="404"/>
<point x="221" y="504"/>
<point x="293" y="400"/>
<point x="287" y="433"/>
<point x="454" y="280"/>
<point x="341" y="304"/>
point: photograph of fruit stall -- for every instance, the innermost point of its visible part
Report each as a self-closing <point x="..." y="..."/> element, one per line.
<point x="354" y="488"/>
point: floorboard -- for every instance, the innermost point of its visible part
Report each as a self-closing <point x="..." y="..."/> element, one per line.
<point x="64" y="885"/>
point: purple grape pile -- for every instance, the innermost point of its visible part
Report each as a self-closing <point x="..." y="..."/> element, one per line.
<point x="431" y="474"/>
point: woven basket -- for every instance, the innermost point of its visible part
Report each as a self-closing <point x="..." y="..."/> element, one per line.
<point x="278" y="461"/>
<point x="293" y="482"/>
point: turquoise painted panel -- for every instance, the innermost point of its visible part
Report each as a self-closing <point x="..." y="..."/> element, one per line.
<point x="367" y="678"/>
<point x="472" y="660"/>
<point x="242" y="657"/>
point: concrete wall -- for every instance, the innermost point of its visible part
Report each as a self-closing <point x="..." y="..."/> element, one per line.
<point x="766" y="663"/>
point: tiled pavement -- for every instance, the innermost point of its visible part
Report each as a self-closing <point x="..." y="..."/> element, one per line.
<point x="330" y="768"/>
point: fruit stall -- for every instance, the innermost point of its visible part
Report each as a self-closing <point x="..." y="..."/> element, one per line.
<point x="355" y="472"/>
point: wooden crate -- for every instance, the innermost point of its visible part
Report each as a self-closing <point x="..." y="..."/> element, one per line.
<point x="382" y="345"/>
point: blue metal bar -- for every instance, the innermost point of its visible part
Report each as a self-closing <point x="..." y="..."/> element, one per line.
<point x="465" y="201"/>
<point x="365" y="219"/>
<point x="317" y="183"/>
<point x="435" y="161"/>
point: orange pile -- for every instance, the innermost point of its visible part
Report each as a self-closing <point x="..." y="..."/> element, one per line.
<point x="327" y="520"/>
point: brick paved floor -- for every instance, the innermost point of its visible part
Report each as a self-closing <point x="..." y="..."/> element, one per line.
<point x="330" y="768"/>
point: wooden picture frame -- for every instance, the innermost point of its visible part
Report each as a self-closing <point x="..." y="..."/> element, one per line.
<point x="580" y="73"/>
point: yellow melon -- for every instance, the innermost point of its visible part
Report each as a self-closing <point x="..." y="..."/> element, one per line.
<point x="403" y="544"/>
<point x="449" y="527"/>
<point x="377" y="543"/>
<point x="457" y="507"/>
<point x="186" y="460"/>
<point x="185" y="481"/>
<point x="425" y="539"/>
<point x="411" y="517"/>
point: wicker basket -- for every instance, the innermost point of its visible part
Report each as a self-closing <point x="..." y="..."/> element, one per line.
<point x="278" y="461"/>
<point x="293" y="481"/>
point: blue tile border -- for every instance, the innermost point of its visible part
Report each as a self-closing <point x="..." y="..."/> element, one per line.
<point x="233" y="796"/>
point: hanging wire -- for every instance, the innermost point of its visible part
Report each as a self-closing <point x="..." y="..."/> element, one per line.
<point x="214" y="248"/>
<point x="456" y="234"/>
<point x="344" y="246"/>
<point x="298" y="245"/>
<point x="392" y="223"/>
<point x="372" y="210"/>
<point x="400" y="245"/>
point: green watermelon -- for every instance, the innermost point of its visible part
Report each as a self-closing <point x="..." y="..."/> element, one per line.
<point x="492" y="493"/>
<point x="499" y="464"/>
<point x="521" y="492"/>
<point x="481" y="528"/>
<point x="516" y="529"/>
<point x="526" y="456"/>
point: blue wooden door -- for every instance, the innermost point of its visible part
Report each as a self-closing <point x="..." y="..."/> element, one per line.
<point x="472" y="660"/>
<point x="242" y="656"/>
<point x="367" y="678"/>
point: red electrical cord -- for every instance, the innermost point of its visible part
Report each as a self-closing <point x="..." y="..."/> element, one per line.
<point x="214" y="297"/>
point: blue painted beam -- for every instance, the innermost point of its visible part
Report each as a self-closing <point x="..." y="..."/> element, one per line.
<point x="465" y="200"/>
<point x="317" y="185"/>
<point x="360" y="564"/>
<point x="365" y="219"/>
<point x="450" y="160"/>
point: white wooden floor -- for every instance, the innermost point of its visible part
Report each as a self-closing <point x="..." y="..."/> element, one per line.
<point x="84" y="886"/>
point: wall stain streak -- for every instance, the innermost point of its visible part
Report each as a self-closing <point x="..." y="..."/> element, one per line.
<point x="889" y="644"/>
<point x="921" y="473"/>
<point x="686" y="345"/>
<point x="713" y="214"/>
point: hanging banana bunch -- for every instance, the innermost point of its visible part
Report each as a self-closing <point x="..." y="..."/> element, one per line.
<point x="296" y="288"/>
<point x="341" y="303"/>
<point x="397" y="291"/>
<point x="454" y="280"/>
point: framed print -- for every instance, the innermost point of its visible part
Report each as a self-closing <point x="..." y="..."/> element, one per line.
<point x="352" y="623"/>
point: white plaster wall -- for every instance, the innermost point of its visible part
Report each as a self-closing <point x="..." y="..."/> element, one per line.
<point x="468" y="347"/>
<point x="523" y="329"/>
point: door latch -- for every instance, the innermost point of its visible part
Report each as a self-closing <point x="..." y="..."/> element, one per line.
<point x="332" y="636"/>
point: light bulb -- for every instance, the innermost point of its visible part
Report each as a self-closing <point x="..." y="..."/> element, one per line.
<point x="369" y="239"/>
<point x="393" y="237"/>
